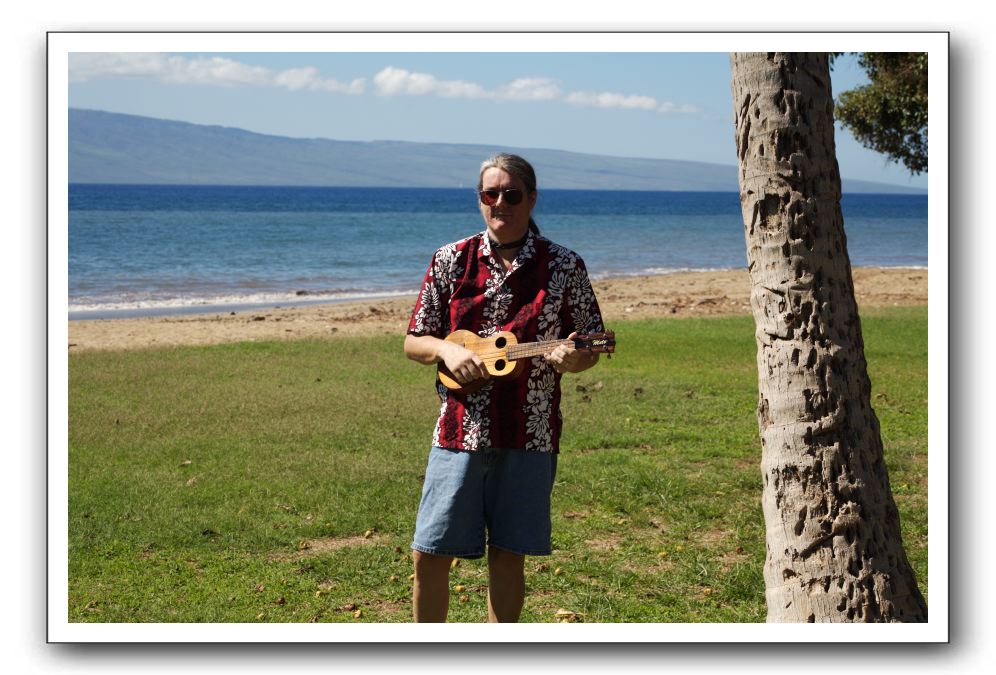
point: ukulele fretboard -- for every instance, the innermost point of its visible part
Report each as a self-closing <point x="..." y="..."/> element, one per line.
<point x="528" y="349"/>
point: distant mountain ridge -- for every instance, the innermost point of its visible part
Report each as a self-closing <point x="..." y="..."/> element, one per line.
<point x="107" y="147"/>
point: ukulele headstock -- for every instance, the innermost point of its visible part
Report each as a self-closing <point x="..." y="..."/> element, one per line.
<point x="599" y="343"/>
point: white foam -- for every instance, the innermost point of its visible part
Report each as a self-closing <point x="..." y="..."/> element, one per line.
<point x="175" y="305"/>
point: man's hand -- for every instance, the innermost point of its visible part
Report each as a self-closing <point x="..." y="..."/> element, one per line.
<point x="465" y="365"/>
<point x="566" y="359"/>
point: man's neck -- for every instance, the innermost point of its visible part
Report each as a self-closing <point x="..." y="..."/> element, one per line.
<point x="515" y="244"/>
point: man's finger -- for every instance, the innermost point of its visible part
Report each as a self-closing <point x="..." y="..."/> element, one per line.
<point x="482" y="370"/>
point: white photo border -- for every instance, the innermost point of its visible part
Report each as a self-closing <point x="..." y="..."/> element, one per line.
<point x="61" y="44"/>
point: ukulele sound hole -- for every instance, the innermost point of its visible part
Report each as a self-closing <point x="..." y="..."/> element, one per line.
<point x="500" y="343"/>
<point x="500" y="365"/>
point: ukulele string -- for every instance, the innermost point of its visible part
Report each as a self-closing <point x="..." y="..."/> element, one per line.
<point x="522" y="350"/>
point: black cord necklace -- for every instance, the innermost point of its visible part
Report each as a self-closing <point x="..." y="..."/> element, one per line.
<point x="495" y="246"/>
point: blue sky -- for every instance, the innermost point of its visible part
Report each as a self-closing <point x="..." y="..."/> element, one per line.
<point x="660" y="105"/>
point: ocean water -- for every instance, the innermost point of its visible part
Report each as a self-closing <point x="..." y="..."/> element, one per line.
<point x="150" y="250"/>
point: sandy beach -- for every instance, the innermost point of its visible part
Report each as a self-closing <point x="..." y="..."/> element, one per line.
<point x="678" y="295"/>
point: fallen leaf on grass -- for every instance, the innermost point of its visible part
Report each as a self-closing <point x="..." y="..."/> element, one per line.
<point x="464" y="598"/>
<point x="456" y="561"/>
<point x="543" y="567"/>
<point x="186" y="462"/>
<point x="349" y="607"/>
<point x="459" y="588"/>
<point x="567" y="616"/>
<point x="281" y="601"/>
<point x="358" y="613"/>
<point x="574" y="514"/>
<point x="558" y="571"/>
<point x="192" y="482"/>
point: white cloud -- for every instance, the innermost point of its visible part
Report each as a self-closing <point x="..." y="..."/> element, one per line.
<point x="296" y="79"/>
<point x="611" y="100"/>
<point x="668" y="107"/>
<point x="172" y="69"/>
<point x="213" y="70"/>
<point x="626" y="102"/>
<point x="530" y="89"/>
<point x="391" y="81"/>
<point x="83" y="66"/>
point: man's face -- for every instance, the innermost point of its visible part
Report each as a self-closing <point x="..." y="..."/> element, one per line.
<point x="506" y="222"/>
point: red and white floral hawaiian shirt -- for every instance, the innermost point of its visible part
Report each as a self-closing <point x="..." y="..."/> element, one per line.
<point x="545" y="295"/>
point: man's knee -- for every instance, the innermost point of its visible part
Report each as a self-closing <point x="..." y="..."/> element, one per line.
<point x="429" y="563"/>
<point x="499" y="557"/>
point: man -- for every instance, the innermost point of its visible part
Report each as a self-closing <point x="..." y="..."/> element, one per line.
<point x="494" y="454"/>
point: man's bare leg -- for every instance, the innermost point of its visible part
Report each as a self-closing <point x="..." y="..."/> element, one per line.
<point x="506" y="585"/>
<point x="431" y="590"/>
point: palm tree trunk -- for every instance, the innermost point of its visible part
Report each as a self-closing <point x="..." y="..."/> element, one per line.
<point x="834" y="551"/>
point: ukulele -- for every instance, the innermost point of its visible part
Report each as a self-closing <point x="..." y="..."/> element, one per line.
<point x="504" y="356"/>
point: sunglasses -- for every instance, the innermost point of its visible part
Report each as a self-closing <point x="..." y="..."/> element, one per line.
<point x="512" y="196"/>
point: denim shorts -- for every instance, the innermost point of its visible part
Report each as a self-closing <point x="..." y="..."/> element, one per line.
<point x="505" y="493"/>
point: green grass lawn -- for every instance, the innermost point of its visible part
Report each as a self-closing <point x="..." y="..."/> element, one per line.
<point x="279" y="482"/>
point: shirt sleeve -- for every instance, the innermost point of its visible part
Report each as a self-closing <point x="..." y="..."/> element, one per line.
<point x="585" y="315"/>
<point x="429" y="315"/>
